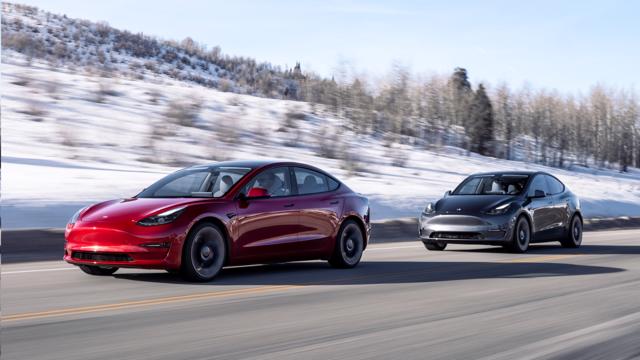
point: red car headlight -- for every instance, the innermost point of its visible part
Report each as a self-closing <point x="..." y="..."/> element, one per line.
<point x="162" y="218"/>
<point x="75" y="217"/>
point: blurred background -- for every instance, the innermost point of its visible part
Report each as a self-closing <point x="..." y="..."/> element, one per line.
<point x="92" y="111"/>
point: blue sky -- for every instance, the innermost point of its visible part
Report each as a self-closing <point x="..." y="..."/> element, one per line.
<point x="563" y="45"/>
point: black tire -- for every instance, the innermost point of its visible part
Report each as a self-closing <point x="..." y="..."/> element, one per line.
<point x="349" y="246"/>
<point x="521" y="236"/>
<point x="573" y="238"/>
<point x="204" y="253"/>
<point x="98" y="270"/>
<point x="434" y="245"/>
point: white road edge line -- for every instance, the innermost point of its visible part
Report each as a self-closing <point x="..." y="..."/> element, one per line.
<point x="393" y="248"/>
<point x="35" y="270"/>
<point x="74" y="268"/>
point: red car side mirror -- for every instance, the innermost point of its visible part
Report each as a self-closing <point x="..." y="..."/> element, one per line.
<point x="257" y="192"/>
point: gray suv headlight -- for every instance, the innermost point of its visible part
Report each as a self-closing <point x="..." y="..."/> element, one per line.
<point x="430" y="209"/>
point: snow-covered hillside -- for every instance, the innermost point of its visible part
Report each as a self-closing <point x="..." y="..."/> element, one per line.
<point x="72" y="137"/>
<point x="80" y="43"/>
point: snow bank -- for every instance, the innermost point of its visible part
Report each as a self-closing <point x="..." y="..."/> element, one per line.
<point x="61" y="149"/>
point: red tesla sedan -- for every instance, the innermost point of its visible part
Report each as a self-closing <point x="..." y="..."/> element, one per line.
<point x="199" y="219"/>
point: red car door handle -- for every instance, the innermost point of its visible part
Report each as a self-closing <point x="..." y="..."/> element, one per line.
<point x="289" y="205"/>
<point x="334" y="202"/>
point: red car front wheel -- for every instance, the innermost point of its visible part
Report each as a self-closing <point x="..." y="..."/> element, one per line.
<point x="204" y="253"/>
<point x="98" y="270"/>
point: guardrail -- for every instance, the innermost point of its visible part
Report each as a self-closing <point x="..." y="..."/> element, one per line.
<point x="407" y="228"/>
<point x="47" y="244"/>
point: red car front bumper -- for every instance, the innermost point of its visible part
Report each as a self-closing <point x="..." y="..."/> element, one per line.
<point x="96" y="243"/>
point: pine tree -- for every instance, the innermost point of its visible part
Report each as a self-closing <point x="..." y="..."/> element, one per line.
<point x="462" y="94"/>
<point x="297" y="72"/>
<point x="481" y="123"/>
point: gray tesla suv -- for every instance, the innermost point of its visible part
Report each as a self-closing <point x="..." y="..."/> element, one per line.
<point x="511" y="209"/>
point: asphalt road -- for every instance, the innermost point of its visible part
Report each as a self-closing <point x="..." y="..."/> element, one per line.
<point x="402" y="302"/>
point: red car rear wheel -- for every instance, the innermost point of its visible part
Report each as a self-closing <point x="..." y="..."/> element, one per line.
<point x="349" y="246"/>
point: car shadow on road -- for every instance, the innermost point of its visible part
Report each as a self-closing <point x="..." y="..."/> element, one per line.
<point x="557" y="249"/>
<point x="377" y="272"/>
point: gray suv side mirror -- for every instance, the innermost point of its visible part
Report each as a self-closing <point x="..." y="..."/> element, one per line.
<point x="538" y="194"/>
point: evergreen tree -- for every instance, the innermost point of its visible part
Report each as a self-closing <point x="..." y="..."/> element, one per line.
<point x="461" y="94"/>
<point x="481" y="124"/>
<point x="461" y="97"/>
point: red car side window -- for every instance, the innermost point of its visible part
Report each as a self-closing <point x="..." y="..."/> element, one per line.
<point x="275" y="181"/>
<point x="310" y="182"/>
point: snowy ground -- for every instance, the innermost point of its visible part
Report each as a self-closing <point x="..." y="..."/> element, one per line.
<point x="61" y="149"/>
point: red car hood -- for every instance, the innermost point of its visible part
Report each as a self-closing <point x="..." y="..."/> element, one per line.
<point x="132" y="209"/>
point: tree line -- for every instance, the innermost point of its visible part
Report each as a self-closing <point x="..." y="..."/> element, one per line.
<point x="600" y="128"/>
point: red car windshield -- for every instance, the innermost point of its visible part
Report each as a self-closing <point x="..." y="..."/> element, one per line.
<point x="196" y="182"/>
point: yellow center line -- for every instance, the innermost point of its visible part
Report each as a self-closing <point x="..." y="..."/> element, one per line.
<point x="189" y="297"/>
<point x="158" y="301"/>
<point x="179" y="298"/>
<point x="235" y="292"/>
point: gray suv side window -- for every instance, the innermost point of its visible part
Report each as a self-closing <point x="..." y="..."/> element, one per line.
<point x="555" y="186"/>
<point x="538" y="183"/>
